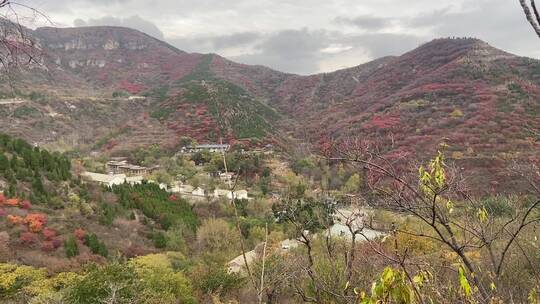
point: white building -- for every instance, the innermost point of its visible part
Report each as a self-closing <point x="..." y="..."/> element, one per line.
<point x="221" y="193"/>
<point x="226" y="176"/>
<point x="340" y="230"/>
<point x="186" y="189"/>
<point x="105" y="179"/>
<point x="135" y="97"/>
<point x="238" y="194"/>
<point x="134" y="180"/>
<point x="212" y="148"/>
<point x="199" y="192"/>
<point x="180" y="187"/>
<point x="237" y="265"/>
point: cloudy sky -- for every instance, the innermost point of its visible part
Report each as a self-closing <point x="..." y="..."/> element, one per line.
<point x="304" y="36"/>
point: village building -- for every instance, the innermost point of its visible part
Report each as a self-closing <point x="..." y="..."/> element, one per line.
<point x="124" y="167"/>
<point x="176" y="186"/>
<point x="108" y="180"/>
<point x="136" y="97"/>
<point x="182" y="189"/>
<point x="134" y="180"/>
<point x="237" y="265"/>
<point x="199" y="192"/>
<point x="226" y="177"/>
<point x="238" y="194"/>
<point x="212" y="148"/>
<point x="220" y="193"/>
<point x="339" y="230"/>
<point x="266" y="150"/>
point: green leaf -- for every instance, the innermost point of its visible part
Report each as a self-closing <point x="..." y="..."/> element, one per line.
<point x="464" y="282"/>
<point x="533" y="296"/>
<point x="482" y="215"/>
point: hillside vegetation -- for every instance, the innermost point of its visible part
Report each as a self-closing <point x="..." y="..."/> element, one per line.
<point x="481" y="100"/>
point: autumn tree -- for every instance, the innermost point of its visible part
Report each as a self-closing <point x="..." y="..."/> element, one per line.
<point x="436" y="199"/>
<point x="17" y="46"/>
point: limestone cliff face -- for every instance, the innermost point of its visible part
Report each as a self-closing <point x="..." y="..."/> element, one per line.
<point x="112" y="57"/>
<point x="95" y="38"/>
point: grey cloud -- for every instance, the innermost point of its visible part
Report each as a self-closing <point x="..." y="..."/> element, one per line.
<point x="217" y="43"/>
<point x="301" y="51"/>
<point x="499" y="22"/>
<point x="295" y="51"/>
<point x="365" y="22"/>
<point x="381" y="44"/>
<point x="134" y="22"/>
<point x="234" y="40"/>
<point x="269" y="32"/>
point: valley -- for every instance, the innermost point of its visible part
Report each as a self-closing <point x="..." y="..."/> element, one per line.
<point x="134" y="172"/>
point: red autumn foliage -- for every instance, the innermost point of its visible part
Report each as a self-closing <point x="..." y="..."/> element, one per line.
<point x="384" y="122"/>
<point x="25" y="204"/>
<point x="79" y="233"/>
<point x="49" y="233"/>
<point x="3" y="212"/>
<point x="48" y="246"/>
<point x="28" y="238"/>
<point x="56" y="243"/>
<point x="2" y="198"/>
<point x="130" y="87"/>
<point x="173" y="197"/>
<point x="111" y="144"/>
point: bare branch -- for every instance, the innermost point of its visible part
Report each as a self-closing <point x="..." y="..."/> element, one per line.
<point x="533" y="20"/>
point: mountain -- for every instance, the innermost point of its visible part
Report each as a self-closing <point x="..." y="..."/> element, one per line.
<point x="480" y="100"/>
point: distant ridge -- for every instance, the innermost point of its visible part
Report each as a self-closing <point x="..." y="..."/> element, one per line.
<point x="475" y="97"/>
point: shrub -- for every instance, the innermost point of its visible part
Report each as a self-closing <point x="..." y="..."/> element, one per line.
<point x="498" y="206"/>
<point x="120" y="93"/>
<point x="71" y="247"/>
<point x="108" y="213"/>
<point x="15" y="280"/>
<point x="154" y="203"/>
<point x="133" y="251"/>
<point x="97" y="247"/>
<point x="48" y="246"/>
<point x="15" y="219"/>
<point x="25" y="204"/>
<point x="80" y="234"/>
<point x="12" y="202"/>
<point x="160" y="241"/>
<point x="49" y="234"/>
<point x="28" y="238"/>
<point x="214" y="279"/>
<point x="56" y="243"/>
<point x="95" y="286"/>
<point x="36" y="221"/>
<point x="160" y="283"/>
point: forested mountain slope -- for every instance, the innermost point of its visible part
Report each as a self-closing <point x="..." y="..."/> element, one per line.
<point x="481" y="101"/>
